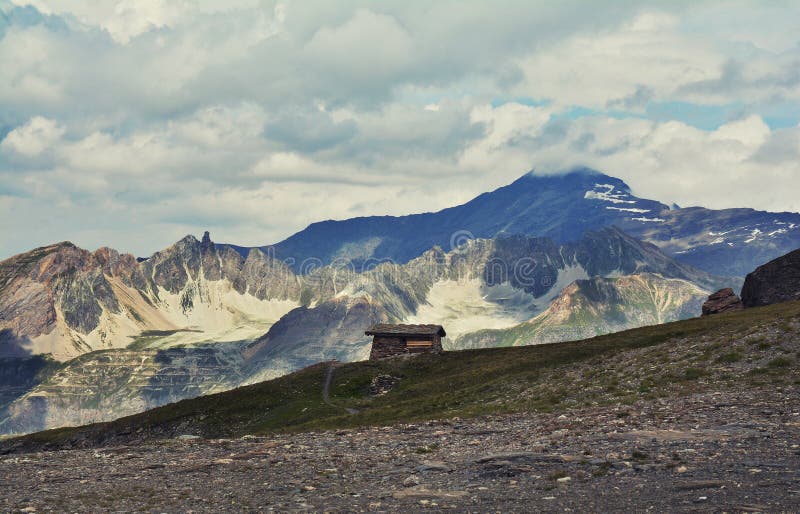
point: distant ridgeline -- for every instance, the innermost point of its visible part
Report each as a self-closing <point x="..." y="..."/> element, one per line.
<point x="729" y="242"/>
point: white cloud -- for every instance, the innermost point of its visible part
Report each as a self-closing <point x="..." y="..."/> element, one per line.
<point x="35" y="137"/>
<point x="369" y="46"/>
<point x="606" y="69"/>
<point x="672" y="161"/>
<point x="130" y="123"/>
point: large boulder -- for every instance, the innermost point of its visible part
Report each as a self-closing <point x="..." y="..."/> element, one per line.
<point x="775" y="282"/>
<point x="724" y="300"/>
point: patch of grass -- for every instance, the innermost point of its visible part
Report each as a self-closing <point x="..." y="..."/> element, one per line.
<point x="780" y="362"/>
<point x="730" y="357"/>
<point x="693" y="373"/>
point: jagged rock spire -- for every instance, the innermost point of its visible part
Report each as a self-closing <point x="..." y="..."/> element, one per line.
<point x="205" y="243"/>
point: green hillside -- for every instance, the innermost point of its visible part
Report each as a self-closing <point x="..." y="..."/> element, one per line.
<point x="754" y="348"/>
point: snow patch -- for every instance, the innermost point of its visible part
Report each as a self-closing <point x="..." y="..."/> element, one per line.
<point x="753" y="236"/>
<point x="646" y="220"/>
<point x="608" y="195"/>
<point x="566" y="276"/>
<point x="463" y="306"/>
<point x="638" y="211"/>
<point x="220" y="312"/>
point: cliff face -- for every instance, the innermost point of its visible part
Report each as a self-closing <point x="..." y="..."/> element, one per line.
<point x="775" y="282"/>
<point x="109" y="384"/>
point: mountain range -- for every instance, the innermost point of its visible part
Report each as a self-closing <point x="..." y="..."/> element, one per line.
<point x="89" y="336"/>
<point x="728" y="242"/>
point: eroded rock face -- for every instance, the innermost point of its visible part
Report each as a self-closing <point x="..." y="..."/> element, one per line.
<point x="775" y="282"/>
<point x="64" y="300"/>
<point x="101" y="386"/>
<point x="724" y="300"/>
<point x="600" y="305"/>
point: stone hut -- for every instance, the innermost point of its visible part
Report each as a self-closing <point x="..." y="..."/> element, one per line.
<point x="388" y="340"/>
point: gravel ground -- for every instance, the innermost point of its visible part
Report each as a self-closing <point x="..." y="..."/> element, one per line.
<point x="734" y="452"/>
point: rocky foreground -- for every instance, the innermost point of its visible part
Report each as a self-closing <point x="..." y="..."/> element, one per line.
<point x="724" y="451"/>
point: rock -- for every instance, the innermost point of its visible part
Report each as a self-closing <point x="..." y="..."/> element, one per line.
<point x="411" y="481"/>
<point x="382" y="384"/>
<point x="518" y="457"/>
<point x="433" y="466"/>
<point x="775" y="282"/>
<point x="724" y="300"/>
<point x="188" y="437"/>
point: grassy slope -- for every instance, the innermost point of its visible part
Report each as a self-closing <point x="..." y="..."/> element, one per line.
<point x="754" y="348"/>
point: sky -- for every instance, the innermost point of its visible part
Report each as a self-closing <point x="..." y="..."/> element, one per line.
<point x="131" y="123"/>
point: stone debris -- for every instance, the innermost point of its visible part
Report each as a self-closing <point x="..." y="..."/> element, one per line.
<point x="733" y="451"/>
<point x="382" y="384"/>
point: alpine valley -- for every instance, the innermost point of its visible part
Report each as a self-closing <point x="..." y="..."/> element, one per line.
<point x="91" y="336"/>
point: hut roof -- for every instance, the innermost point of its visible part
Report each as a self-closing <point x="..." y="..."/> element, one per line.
<point x="386" y="329"/>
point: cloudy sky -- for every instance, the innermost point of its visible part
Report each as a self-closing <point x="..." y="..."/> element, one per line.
<point x="130" y="123"/>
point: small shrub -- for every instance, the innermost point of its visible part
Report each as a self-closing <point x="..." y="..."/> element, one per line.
<point x="602" y="469"/>
<point x="430" y="448"/>
<point x="729" y="358"/>
<point x="779" y="362"/>
<point x="693" y="373"/>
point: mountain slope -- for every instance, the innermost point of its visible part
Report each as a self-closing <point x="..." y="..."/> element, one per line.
<point x="108" y="384"/>
<point x="750" y="349"/>
<point x="725" y="242"/>
<point x="597" y="306"/>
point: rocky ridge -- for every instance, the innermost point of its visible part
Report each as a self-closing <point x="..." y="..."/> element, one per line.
<point x="67" y="301"/>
